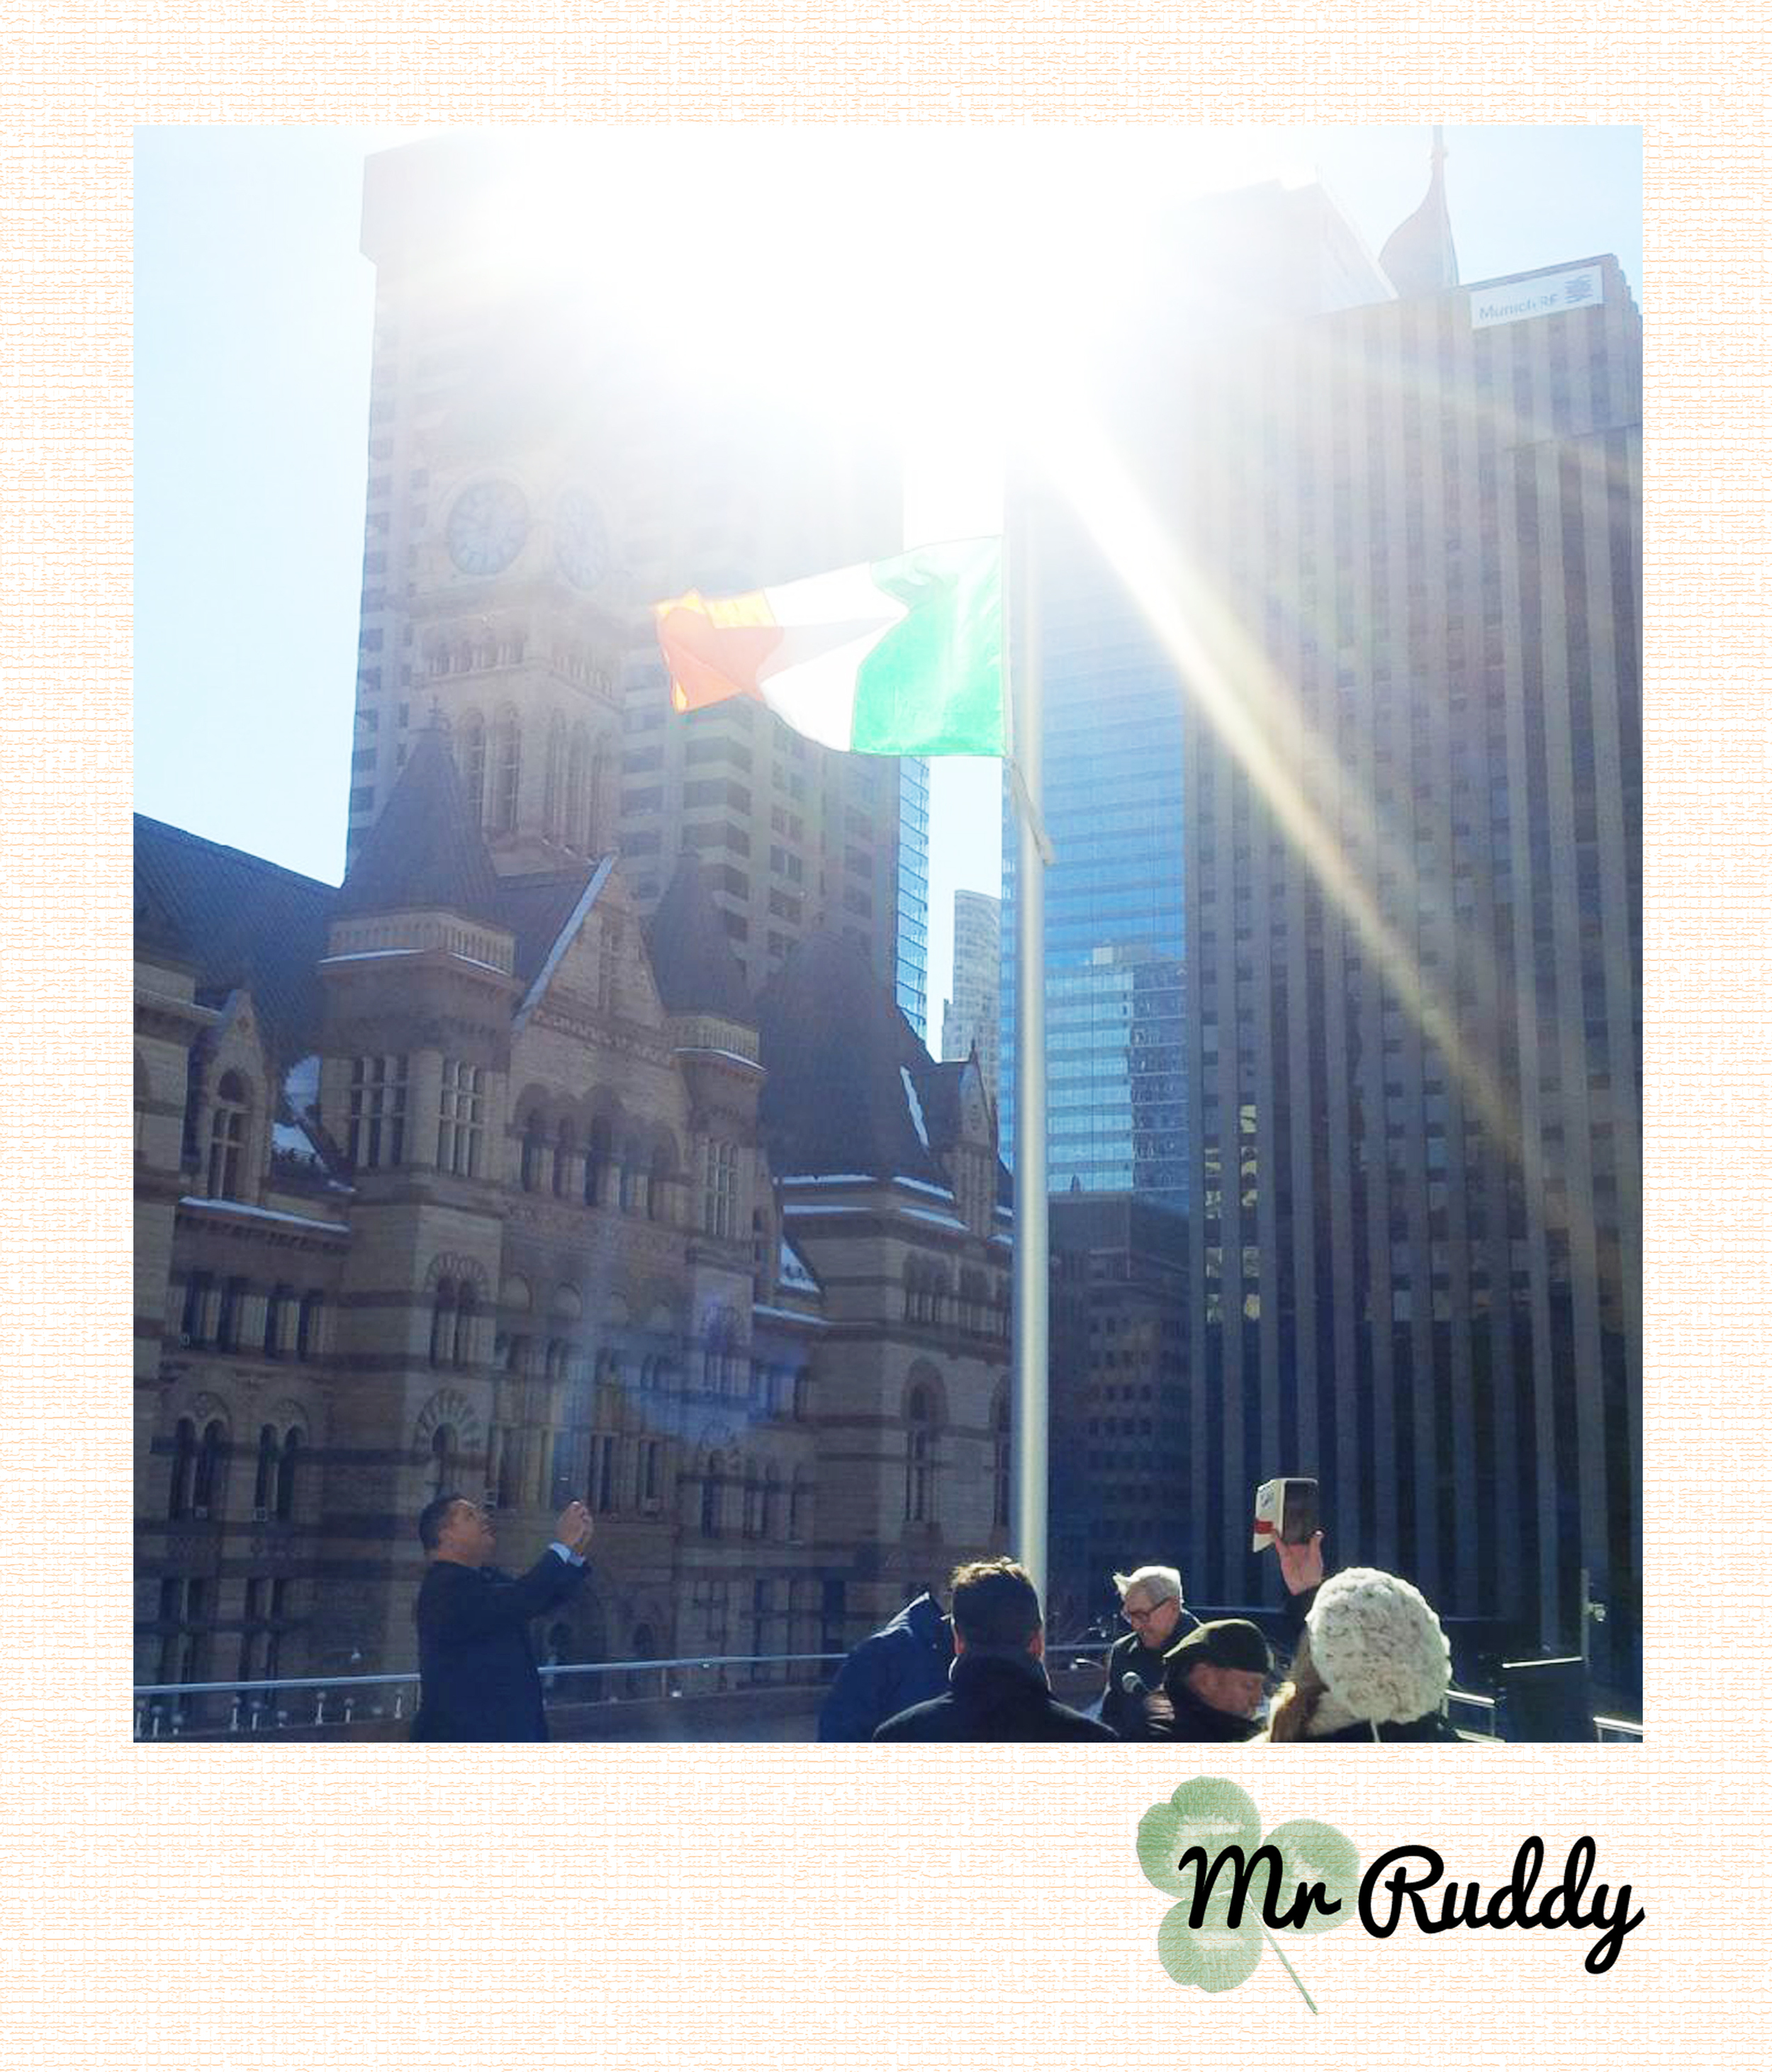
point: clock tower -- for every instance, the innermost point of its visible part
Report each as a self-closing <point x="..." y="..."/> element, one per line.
<point x="518" y="623"/>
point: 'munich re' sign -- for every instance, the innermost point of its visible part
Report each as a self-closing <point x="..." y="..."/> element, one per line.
<point x="1543" y="296"/>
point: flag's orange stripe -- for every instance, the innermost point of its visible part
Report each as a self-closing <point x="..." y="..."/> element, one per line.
<point x="715" y="650"/>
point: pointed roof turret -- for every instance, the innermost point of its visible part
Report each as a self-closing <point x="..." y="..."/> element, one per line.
<point x="1418" y="256"/>
<point x="693" y="960"/>
<point x="427" y="849"/>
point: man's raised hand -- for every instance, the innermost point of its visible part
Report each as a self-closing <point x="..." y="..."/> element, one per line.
<point x="574" y="1528"/>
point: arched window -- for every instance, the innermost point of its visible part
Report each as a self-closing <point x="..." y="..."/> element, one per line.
<point x="719" y="1195"/>
<point x="563" y="1148"/>
<point x="184" y="1467"/>
<point x="596" y="1163"/>
<point x="1000" y="1508"/>
<point x="658" y="1176"/>
<point x="472" y="738"/>
<point x="919" y="1465"/>
<point x="799" y="1505"/>
<point x="501" y="1467"/>
<point x="594" y="798"/>
<point x="462" y="1346"/>
<point x="530" y="1169"/>
<point x="443" y="1323"/>
<point x="287" y="1463"/>
<point x="772" y="1519"/>
<point x="210" y="1485"/>
<point x="578" y="780"/>
<point x="554" y="778"/>
<point x="711" y="1497"/>
<point x="264" y="1487"/>
<point x="507" y="774"/>
<point x="228" y="1137"/>
<point x="443" y="1459"/>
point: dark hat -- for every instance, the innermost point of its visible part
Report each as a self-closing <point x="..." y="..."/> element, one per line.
<point x="1224" y="1644"/>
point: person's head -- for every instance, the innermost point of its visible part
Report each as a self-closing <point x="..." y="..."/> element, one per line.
<point x="1371" y="1650"/>
<point x="1151" y="1603"/>
<point x="996" y="1609"/>
<point x="453" y="1527"/>
<point x="1378" y="1647"/>
<point x="1225" y="1664"/>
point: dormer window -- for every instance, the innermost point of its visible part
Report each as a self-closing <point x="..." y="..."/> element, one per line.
<point x="228" y="1137"/>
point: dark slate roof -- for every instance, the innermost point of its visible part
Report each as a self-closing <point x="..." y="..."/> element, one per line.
<point x="535" y="908"/>
<point x="835" y="1045"/>
<point x="939" y="1088"/>
<point x="693" y="959"/>
<point x="426" y="848"/>
<point x="244" y="922"/>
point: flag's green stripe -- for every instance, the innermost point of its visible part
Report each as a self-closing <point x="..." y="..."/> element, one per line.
<point x="934" y="685"/>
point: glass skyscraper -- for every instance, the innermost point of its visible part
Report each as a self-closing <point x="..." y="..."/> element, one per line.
<point x="1116" y="1090"/>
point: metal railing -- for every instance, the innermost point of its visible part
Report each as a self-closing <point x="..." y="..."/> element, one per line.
<point x="168" y="1710"/>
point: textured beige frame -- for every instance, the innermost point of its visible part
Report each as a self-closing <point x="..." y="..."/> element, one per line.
<point x="359" y="1906"/>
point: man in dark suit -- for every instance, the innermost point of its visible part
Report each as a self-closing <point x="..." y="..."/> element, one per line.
<point x="997" y="1688"/>
<point x="476" y="1668"/>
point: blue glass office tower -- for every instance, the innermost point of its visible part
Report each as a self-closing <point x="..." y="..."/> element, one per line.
<point x="1116" y="1088"/>
<point x="1116" y="955"/>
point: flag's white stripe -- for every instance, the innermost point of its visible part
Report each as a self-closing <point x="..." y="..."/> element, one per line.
<point x="816" y="694"/>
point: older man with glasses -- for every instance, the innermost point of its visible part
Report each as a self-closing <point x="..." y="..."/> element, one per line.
<point x="1150" y="1603"/>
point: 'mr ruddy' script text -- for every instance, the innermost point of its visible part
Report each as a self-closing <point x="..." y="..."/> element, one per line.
<point x="1408" y="1875"/>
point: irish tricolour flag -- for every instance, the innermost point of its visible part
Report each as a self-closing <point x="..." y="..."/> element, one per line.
<point x="902" y="657"/>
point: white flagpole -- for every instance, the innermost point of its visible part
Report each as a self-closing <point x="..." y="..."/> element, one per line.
<point x="1029" y="1407"/>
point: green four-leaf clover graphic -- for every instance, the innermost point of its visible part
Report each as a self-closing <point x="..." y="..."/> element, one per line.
<point x="1312" y="1878"/>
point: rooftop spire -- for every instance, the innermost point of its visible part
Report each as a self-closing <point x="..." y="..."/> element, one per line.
<point x="1418" y="256"/>
<point x="426" y="848"/>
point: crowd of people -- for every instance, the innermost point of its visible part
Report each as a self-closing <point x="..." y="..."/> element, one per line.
<point x="1368" y="1659"/>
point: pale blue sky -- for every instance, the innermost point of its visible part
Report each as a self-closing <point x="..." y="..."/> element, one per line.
<point x="253" y="316"/>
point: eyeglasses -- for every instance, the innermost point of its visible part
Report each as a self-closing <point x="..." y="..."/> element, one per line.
<point x="1139" y="1615"/>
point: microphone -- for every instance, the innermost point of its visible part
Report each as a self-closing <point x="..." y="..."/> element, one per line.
<point x="1134" y="1685"/>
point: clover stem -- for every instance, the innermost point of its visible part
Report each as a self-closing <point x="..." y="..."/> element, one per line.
<point x="1290" y="1973"/>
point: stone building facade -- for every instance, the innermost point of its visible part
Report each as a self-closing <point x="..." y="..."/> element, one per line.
<point x="456" y="1178"/>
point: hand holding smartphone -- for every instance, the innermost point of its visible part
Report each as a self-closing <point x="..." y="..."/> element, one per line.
<point x="1285" y="1511"/>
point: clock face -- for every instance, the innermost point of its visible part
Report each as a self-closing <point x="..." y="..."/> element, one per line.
<point x="581" y="540"/>
<point x="488" y="527"/>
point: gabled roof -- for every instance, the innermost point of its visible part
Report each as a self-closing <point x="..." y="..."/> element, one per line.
<point x="243" y="922"/>
<point x="427" y="849"/>
<point x="693" y="959"/>
<point x="537" y="907"/>
<point x="839" y="1054"/>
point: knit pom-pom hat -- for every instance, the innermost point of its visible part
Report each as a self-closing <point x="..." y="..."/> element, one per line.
<point x="1378" y="1646"/>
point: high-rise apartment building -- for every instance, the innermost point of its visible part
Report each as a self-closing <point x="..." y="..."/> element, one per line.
<point x="1354" y="742"/>
<point x="541" y="472"/>
<point x="969" y="1021"/>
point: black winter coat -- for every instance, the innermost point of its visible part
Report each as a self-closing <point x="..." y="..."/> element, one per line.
<point x="995" y="1698"/>
<point x="904" y="1662"/>
<point x="475" y="1666"/>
